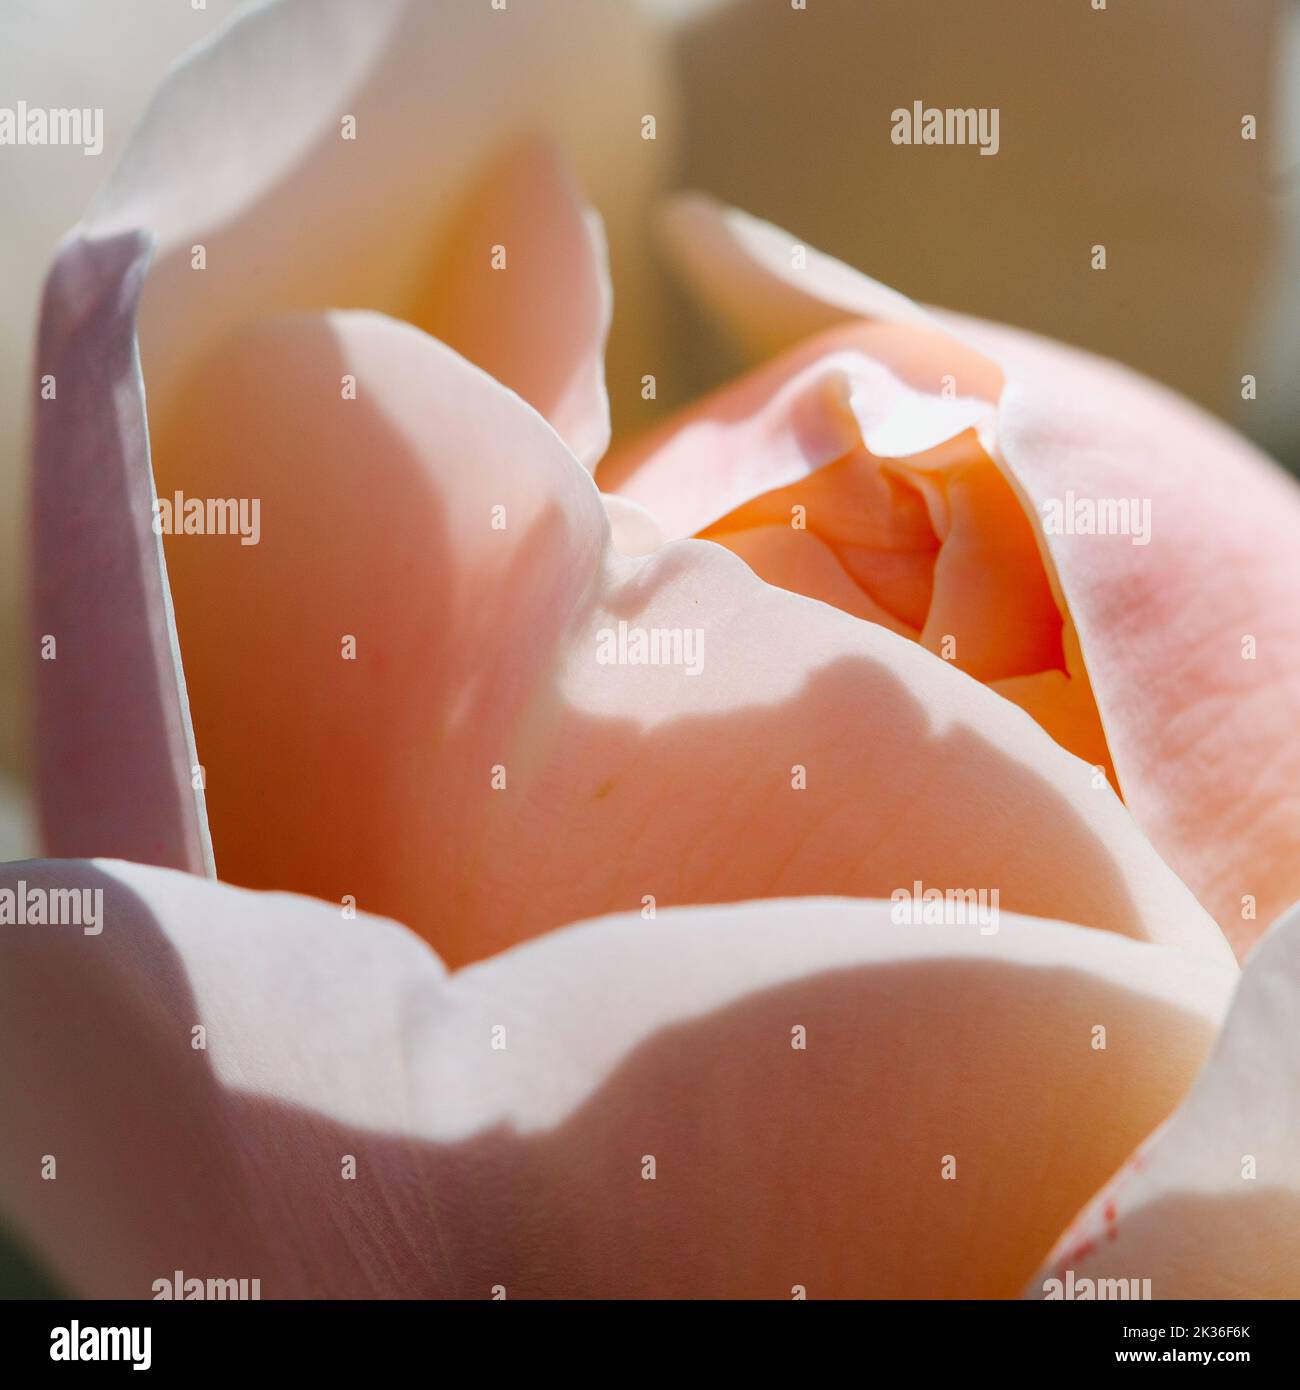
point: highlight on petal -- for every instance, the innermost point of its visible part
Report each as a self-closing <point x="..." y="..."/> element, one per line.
<point x="1180" y="633"/>
<point x="748" y="1101"/>
<point x="632" y="530"/>
<point x="116" y="767"/>
<point x="433" y="685"/>
<point x="358" y="146"/>
<point x="769" y="289"/>
<point x="1209" y="1207"/>
<point x="522" y="290"/>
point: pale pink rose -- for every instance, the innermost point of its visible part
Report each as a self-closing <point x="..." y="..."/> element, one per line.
<point x="665" y="1033"/>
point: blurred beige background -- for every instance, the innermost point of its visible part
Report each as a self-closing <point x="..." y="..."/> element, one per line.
<point x="1119" y="126"/>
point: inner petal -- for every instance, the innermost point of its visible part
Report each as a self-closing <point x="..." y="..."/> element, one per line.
<point x="869" y="520"/>
<point x="804" y="563"/>
<point x="885" y="501"/>
<point x="991" y="594"/>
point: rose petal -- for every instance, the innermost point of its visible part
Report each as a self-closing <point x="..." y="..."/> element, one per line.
<point x="352" y="1121"/>
<point x="1209" y="1207"/>
<point x="492" y="764"/>
<point x="804" y="564"/>
<point x="989" y="584"/>
<point x="537" y="319"/>
<point x="880" y="525"/>
<point x="115" y="750"/>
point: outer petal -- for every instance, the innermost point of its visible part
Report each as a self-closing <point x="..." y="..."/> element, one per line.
<point x="115" y="750"/>
<point x="1191" y="641"/>
<point x="296" y="209"/>
<point x="494" y="763"/>
<point x="801" y="1075"/>
<point x="1210" y="1207"/>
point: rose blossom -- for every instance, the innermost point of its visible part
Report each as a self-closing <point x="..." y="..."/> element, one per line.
<point x="607" y="1069"/>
